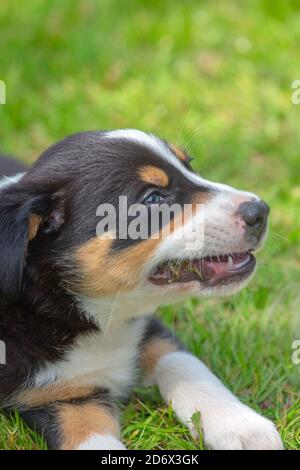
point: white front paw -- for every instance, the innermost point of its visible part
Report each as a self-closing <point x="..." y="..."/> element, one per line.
<point x="101" y="442"/>
<point x="190" y="387"/>
<point x="238" y="427"/>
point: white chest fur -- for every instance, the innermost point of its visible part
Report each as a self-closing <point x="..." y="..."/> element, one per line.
<point x="104" y="360"/>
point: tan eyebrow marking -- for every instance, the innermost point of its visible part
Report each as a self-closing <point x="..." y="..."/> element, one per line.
<point x="180" y="154"/>
<point x="153" y="175"/>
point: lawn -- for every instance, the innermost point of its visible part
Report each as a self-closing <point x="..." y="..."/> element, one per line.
<point x="214" y="77"/>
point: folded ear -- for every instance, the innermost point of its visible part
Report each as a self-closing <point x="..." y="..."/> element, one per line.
<point x="21" y="217"/>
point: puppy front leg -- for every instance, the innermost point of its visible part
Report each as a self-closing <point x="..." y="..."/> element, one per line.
<point x="81" y="424"/>
<point x="186" y="383"/>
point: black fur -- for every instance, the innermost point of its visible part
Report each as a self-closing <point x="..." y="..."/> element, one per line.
<point x="156" y="329"/>
<point x="15" y="211"/>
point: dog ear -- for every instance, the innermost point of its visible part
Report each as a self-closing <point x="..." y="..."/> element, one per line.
<point x="21" y="217"/>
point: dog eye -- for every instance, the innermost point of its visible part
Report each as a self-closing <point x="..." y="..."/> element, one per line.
<point x="153" y="198"/>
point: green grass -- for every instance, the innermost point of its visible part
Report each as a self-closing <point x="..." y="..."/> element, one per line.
<point x="212" y="76"/>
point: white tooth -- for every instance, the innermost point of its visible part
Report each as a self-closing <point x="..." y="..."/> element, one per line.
<point x="230" y="262"/>
<point x="244" y="261"/>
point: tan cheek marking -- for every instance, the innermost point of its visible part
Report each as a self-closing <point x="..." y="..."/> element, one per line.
<point x="79" y="422"/>
<point x="51" y="393"/>
<point x="153" y="175"/>
<point x="103" y="272"/>
<point x="93" y="259"/>
<point x="154" y="350"/>
<point x="180" y="154"/>
<point x="34" y="224"/>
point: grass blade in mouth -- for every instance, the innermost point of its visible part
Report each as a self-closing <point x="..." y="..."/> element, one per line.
<point x="209" y="269"/>
<point x="178" y="271"/>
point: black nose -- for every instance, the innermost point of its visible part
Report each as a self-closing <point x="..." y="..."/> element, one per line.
<point x="255" y="214"/>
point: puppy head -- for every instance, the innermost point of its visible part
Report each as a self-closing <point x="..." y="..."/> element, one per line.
<point x="123" y="212"/>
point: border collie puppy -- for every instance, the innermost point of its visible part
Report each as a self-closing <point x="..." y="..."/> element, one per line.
<point x="77" y="303"/>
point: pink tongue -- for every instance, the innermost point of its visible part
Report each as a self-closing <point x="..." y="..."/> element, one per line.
<point x="211" y="270"/>
<point x="218" y="268"/>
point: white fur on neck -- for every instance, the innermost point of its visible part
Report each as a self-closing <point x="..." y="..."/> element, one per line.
<point x="103" y="359"/>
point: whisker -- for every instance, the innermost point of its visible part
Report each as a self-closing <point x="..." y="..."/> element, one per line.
<point x="184" y="121"/>
<point x="278" y="235"/>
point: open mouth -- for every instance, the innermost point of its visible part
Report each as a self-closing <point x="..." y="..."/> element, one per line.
<point x="210" y="271"/>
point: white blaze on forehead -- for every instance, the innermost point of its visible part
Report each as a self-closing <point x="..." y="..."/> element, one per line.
<point x="147" y="140"/>
<point x="158" y="147"/>
<point x="9" y="180"/>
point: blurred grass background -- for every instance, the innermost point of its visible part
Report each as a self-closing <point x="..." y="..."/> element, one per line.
<point x="214" y="77"/>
